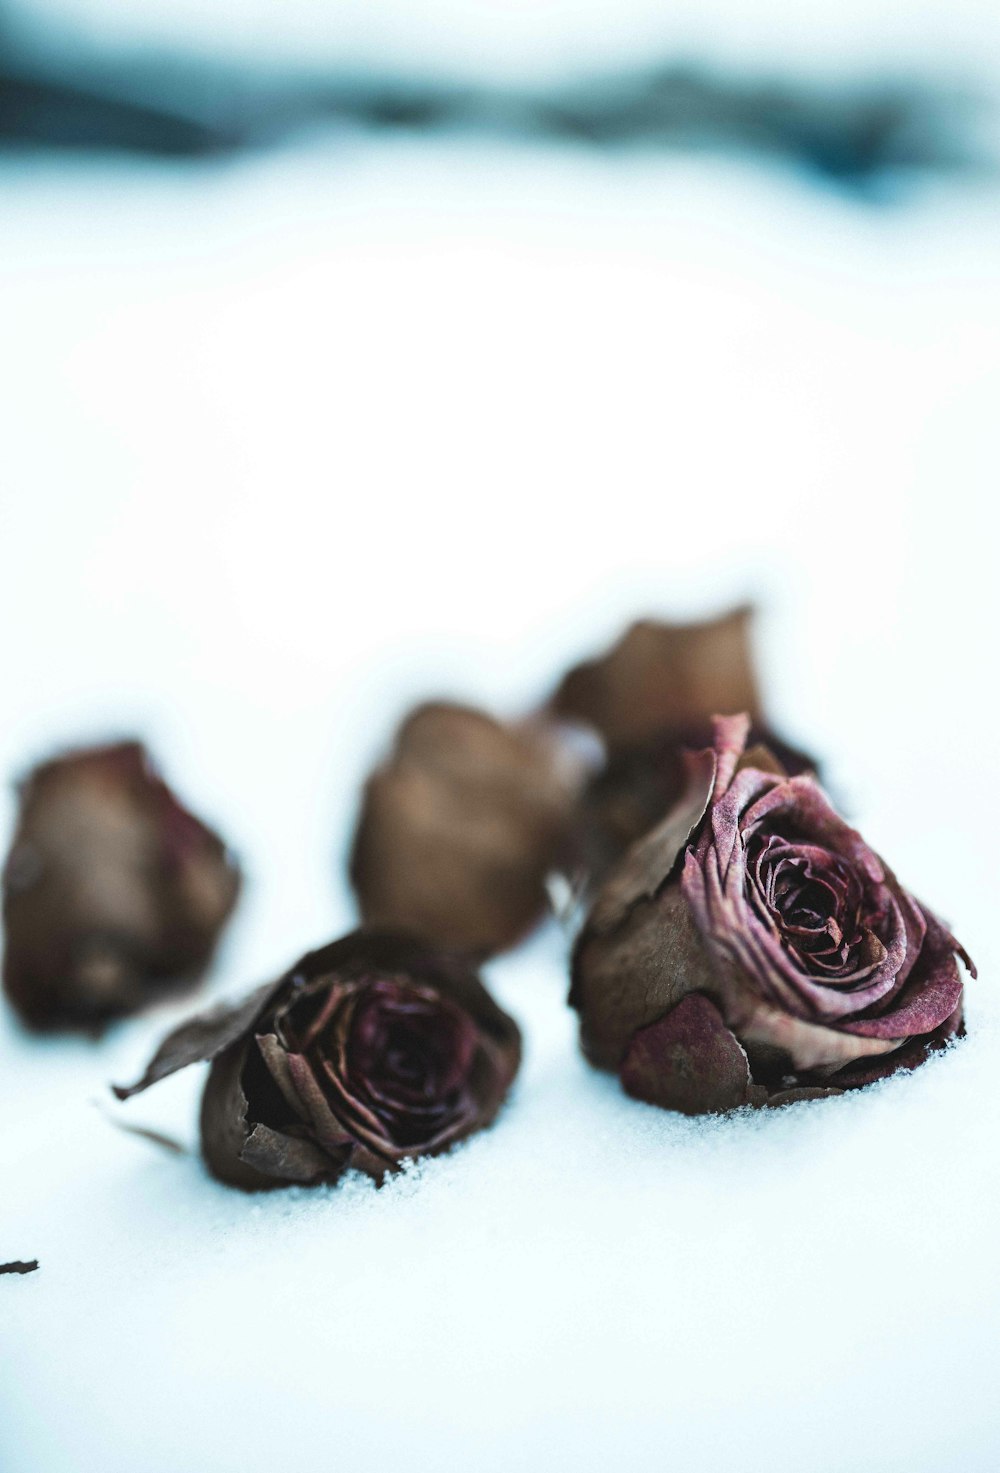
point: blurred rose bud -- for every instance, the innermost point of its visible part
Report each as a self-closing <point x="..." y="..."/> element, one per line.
<point x="650" y="698"/>
<point x="113" y="893"/>
<point x="752" y="949"/>
<point x="664" y="677"/>
<point x="460" y="827"/>
<point x="370" y="1051"/>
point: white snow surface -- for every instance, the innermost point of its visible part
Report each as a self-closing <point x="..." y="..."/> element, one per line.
<point x="291" y="442"/>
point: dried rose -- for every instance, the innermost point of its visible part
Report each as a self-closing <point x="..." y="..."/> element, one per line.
<point x="661" y="678"/>
<point x="752" y="949"/>
<point x="650" y="698"/>
<point x="460" y="827"/>
<point x="113" y="893"/>
<point x="370" y="1051"/>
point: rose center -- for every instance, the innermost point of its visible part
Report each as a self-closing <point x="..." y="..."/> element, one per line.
<point x="802" y="902"/>
<point x="813" y="899"/>
<point x="408" y="1056"/>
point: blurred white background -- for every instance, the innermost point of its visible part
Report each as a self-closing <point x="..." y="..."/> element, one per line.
<point x="290" y="440"/>
<point x="519" y="38"/>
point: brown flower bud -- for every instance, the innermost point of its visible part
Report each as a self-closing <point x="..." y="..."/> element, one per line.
<point x="367" y="1052"/>
<point x="113" y="893"/>
<point x="664" y="677"/>
<point x="459" y="828"/>
<point x="651" y="698"/>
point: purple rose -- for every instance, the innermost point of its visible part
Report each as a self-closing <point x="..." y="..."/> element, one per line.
<point x="373" y="1049"/>
<point x="752" y="949"/>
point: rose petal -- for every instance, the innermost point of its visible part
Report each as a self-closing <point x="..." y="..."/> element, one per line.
<point x="288" y="1158"/>
<point x="202" y="1037"/>
<point x="931" y="995"/>
<point x="330" y="1131"/>
<point x="811" y="1048"/>
<point x="729" y="739"/>
<point x="624" y="981"/>
<point x="805" y="1092"/>
<point x="688" y="1060"/>
<point x="652" y="860"/>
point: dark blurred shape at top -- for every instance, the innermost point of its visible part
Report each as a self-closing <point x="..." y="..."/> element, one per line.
<point x="854" y="135"/>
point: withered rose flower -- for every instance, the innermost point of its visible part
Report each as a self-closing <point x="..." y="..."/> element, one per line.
<point x="662" y="677"/>
<point x="650" y="698"/>
<point x="369" y="1051"/>
<point x="113" y="893"/>
<point x="460" y="827"/>
<point x="751" y="949"/>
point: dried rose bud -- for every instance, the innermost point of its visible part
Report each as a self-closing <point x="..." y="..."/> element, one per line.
<point x="460" y="827"/>
<point x="752" y="949"/>
<point x="664" y="678"/>
<point x="113" y="893"/>
<point x="370" y="1051"/>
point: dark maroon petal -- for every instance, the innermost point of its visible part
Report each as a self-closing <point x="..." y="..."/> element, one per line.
<point x="367" y="952"/>
<point x="687" y="1060"/>
<point x="931" y="995"/>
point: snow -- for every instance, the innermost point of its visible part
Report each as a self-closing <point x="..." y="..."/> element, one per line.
<point x="291" y="442"/>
